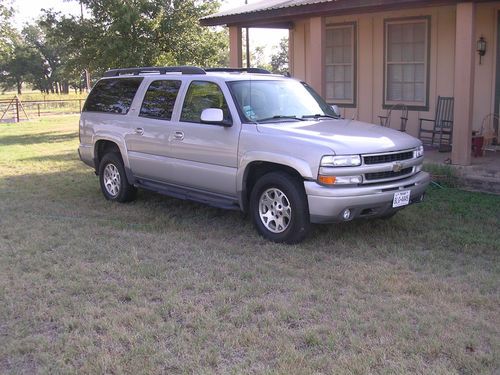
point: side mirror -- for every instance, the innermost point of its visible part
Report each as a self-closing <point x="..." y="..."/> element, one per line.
<point x="213" y="116"/>
<point x="336" y="109"/>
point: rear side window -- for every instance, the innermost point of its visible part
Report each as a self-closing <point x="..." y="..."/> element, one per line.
<point x="202" y="95"/>
<point x="160" y="99"/>
<point x="112" y="95"/>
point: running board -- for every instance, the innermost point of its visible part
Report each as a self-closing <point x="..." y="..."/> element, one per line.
<point x="211" y="199"/>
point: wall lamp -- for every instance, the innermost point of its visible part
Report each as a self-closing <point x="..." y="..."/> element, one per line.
<point x="481" y="48"/>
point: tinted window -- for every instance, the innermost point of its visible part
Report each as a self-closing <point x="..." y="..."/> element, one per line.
<point x="202" y="95"/>
<point x="160" y="99"/>
<point x="112" y="95"/>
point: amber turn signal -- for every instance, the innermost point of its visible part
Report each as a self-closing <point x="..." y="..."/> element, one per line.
<point x="327" y="180"/>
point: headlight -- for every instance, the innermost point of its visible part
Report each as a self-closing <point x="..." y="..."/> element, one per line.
<point x="419" y="152"/>
<point x="341" y="161"/>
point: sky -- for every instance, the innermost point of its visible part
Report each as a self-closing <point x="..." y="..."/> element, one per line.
<point x="28" y="10"/>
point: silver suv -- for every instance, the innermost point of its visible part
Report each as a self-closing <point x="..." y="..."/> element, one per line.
<point x="246" y="140"/>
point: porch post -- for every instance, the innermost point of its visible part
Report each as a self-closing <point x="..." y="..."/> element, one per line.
<point x="464" y="83"/>
<point x="235" y="46"/>
<point x="315" y="61"/>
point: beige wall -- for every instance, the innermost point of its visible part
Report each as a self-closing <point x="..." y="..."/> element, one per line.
<point x="370" y="47"/>
<point x="484" y="88"/>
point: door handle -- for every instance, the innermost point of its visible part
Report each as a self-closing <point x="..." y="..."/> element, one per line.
<point x="139" y="131"/>
<point x="178" y="135"/>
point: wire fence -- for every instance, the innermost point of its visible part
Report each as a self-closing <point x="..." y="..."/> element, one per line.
<point x="15" y="110"/>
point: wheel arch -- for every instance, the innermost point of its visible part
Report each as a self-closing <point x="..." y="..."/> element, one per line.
<point x="256" y="169"/>
<point x="104" y="145"/>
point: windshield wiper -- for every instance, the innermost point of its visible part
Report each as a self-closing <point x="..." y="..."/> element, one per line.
<point x="319" y="116"/>
<point x="281" y="117"/>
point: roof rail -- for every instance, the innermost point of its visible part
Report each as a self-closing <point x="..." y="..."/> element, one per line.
<point x="155" y="69"/>
<point x="238" y="70"/>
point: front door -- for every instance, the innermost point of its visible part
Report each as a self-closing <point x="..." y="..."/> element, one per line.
<point x="205" y="155"/>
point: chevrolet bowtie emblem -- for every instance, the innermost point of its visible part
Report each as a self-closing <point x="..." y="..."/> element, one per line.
<point x="397" y="167"/>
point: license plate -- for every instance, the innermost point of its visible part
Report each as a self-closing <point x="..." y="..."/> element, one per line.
<point x="401" y="198"/>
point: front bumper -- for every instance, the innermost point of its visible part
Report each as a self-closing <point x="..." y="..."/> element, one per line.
<point x="326" y="204"/>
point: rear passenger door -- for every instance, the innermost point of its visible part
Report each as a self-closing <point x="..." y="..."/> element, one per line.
<point x="205" y="155"/>
<point x="148" y="142"/>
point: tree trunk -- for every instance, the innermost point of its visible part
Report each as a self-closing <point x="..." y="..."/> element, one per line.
<point x="19" y="87"/>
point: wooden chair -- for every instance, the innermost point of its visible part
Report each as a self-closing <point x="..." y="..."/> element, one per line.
<point x="442" y="131"/>
<point x="489" y="132"/>
<point x="386" y="120"/>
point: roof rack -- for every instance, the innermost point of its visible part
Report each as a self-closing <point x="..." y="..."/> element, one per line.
<point x="238" y="70"/>
<point x="155" y="69"/>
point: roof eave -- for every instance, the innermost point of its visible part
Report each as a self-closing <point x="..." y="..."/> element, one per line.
<point x="285" y="14"/>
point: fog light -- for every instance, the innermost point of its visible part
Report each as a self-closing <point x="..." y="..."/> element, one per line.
<point x="346" y="214"/>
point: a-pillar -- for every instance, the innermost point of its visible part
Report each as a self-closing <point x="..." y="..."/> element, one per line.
<point x="464" y="83"/>
<point x="235" y="47"/>
<point x="315" y="65"/>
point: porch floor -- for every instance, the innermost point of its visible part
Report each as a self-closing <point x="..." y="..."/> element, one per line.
<point x="482" y="175"/>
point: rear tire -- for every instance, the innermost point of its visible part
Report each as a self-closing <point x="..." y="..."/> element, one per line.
<point x="279" y="209"/>
<point x="113" y="180"/>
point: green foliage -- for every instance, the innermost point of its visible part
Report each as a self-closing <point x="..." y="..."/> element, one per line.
<point x="279" y="60"/>
<point x="117" y="34"/>
<point x="257" y="58"/>
<point x="142" y="33"/>
<point x="23" y="64"/>
<point x="7" y="32"/>
<point x="444" y="175"/>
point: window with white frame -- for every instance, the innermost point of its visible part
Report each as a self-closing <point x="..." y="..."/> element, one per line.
<point x="340" y="64"/>
<point x="406" y="62"/>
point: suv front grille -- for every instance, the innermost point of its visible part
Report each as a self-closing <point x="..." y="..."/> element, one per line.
<point x="389" y="174"/>
<point x="387" y="158"/>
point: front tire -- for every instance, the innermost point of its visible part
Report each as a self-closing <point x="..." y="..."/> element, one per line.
<point x="279" y="210"/>
<point x="113" y="180"/>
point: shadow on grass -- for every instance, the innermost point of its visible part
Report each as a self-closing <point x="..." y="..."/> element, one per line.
<point x="29" y="139"/>
<point x="65" y="156"/>
<point x="449" y="222"/>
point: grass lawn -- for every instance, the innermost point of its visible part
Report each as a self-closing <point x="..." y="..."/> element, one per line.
<point x="167" y="286"/>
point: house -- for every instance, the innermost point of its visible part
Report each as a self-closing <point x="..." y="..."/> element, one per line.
<point x="368" y="55"/>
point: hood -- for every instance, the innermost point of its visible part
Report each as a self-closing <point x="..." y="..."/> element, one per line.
<point x="344" y="136"/>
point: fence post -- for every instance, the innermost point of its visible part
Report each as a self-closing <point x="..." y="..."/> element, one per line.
<point x="38" y="107"/>
<point x="80" y="104"/>
<point x="17" y="109"/>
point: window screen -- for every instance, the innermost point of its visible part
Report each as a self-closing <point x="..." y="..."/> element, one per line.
<point x="406" y="62"/>
<point x="202" y="95"/>
<point x="112" y="95"/>
<point x="159" y="100"/>
<point x="340" y="63"/>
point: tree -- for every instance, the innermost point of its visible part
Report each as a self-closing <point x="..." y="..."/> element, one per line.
<point x="7" y="31"/>
<point x="279" y="60"/>
<point x="22" y="65"/>
<point x="124" y="33"/>
<point x="53" y="52"/>
<point x="257" y="58"/>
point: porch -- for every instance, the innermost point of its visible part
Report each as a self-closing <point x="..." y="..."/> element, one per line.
<point x="435" y="43"/>
<point x="483" y="174"/>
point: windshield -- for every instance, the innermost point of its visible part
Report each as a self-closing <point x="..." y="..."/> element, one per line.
<point x="280" y="100"/>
